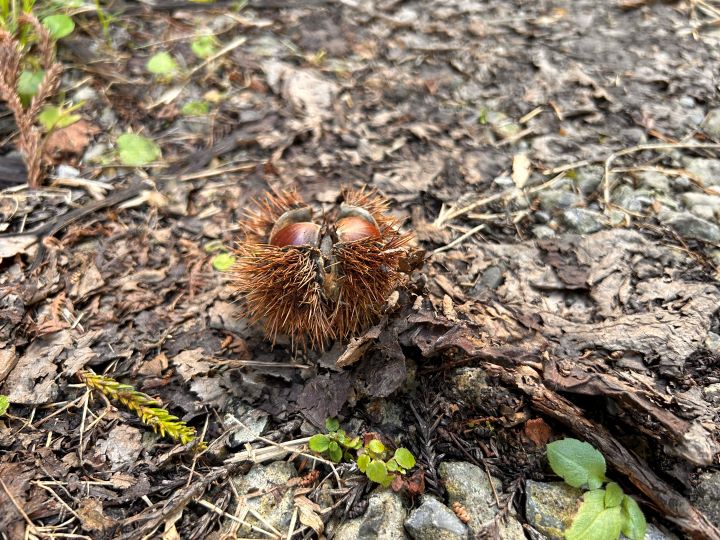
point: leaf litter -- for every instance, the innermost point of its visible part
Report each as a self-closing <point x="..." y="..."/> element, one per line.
<point x="455" y="112"/>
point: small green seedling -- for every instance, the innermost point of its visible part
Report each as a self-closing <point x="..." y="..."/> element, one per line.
<point x="28" y="84"/>
<point x="204" y="46"/>
<point x="335" y="444"/>
<point x="195" y="108"/>
<point x="222" y="262"/>
<point x="4" y="404"/>
<point x="604" y="513"/>
<point x="59" y="25"/>
<point x="52" y="117"/>
<point x="372" y="458"/>
<point x="162" y="65"/>
<point x="373" y="461"/>
<point x="136" y="150"/>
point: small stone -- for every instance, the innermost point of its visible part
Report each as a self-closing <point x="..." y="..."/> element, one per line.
<point x="469" y="485"/>
<point x="432" y="520"/>
<point x="554" y="199"/>
<point x="95" y="153"/>
<point x="492" y="277"/>
<point x="383" y="520"/>
<point x="588" y="179"/>
<point x="550" y="507"/>
<point x="107" y="118"/>
<point x="631" y="199"/>
<point x="654" y="181"/>
<point x="502" y="124"/>
<point x="706" y="170"/>
<point x="682" y="182"/>
<point x="707" y="496"/>
<point x="691" y="226"/>
<point x="712" y="341"/>
<point x="711" y="124"/>
<point x="247" y="423"/>
<point x="386" y="413"/>
<point x="703" y="211"/>
<point x="542" y="231"/>
<point x="691" y="199"/>
<point x="581" y="220"/>
<point x="66" y="171"/>
<point x="503" y="181"/>
<point x="85" y="93"/>
<point x="712" y="393"/>
<point x="275" y="506"/>
<point x="617" y="218"/>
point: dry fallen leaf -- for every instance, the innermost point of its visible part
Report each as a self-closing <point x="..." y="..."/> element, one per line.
<point x="72" y="139"/>
<point x="521" y="170"/>
<point x="538" y="431"/>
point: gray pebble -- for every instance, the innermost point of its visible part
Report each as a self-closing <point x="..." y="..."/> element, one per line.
<point x="432" y="520"/>
<point x="690" y="226"/>
<point x="711" y="124"/>
<point x="581" y="220"/>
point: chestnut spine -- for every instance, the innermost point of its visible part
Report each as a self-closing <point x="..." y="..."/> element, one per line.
<point x="317" y="278"/>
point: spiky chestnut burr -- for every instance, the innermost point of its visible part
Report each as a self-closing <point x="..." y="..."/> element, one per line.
<point x="317" y="279"/>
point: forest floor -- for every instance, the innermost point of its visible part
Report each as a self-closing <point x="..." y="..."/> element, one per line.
<point x="557" y="161"/>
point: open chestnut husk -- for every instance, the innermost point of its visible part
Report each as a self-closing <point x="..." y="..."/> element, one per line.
<point x="318" y="278"/>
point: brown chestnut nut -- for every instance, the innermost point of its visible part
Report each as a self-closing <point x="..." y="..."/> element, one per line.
<point x="296" y="234"/>
<point x="352" y="228"/>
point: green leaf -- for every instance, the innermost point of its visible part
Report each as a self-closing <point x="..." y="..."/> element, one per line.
<point x="162" y="64"/>
<point x="392" y="465"/>
<point x="204" y="46"/>
<point x="195" y="108"/>
<point x="355" y="443"/>
<point x="634" y="524"/>
<point x="52" y="117"/>
<point x="362" y="462"/>
<point x="59" y="26"/>
<point x="319" y="443"/>
<point x="136" y="150"/>
<point x="377" y="471"/>
<point x="223" y="262"/>
<point x="376" y="447"/>
<point x="613" y="495"/>
<point x="4" y="404"/>
<point x="405" y="458"/>
<point x="577" y="462"/>
<point x="332" y="424"/>
<point x="595" y="522"/>
<point x="28" y="84"/>
<point x="335" y="452"/>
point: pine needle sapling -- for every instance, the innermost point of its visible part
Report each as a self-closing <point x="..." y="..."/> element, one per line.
<point x="149" y="410"/>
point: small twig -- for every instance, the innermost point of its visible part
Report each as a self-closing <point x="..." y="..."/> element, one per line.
<point x="86" y="399"/>
<point x="459" y="239"/>
<point x="223" y="513"/>
<point x="446" y="216"/>
<point x="293" y="520"/>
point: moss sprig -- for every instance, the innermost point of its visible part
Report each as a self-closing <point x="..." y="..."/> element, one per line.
<point x="149" y="410"/>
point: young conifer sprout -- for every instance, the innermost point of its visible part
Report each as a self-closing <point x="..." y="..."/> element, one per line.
<point x="321" y="277"/>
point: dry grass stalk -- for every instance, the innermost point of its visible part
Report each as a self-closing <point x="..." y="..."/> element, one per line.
<point x="31" y="141"/>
